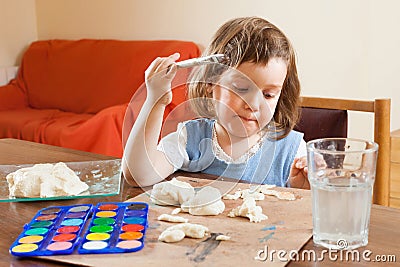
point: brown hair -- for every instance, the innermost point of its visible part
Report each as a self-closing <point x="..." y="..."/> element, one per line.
<point x="250" y="39"/>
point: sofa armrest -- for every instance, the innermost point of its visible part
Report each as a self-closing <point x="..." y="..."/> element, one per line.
<point x="12" y="97"/>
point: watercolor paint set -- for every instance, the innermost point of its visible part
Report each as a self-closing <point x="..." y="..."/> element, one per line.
<point x="108" y="227"/>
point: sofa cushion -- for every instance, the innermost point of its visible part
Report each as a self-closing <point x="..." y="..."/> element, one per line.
<point x="12" y="97"/>
<point x="17" y="123"/>
<point x="86" y="76"/>
<point x="99" y="133"/>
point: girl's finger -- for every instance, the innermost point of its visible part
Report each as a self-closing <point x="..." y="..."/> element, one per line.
<point x="167" y="61"/>
<point x="153" y="66"/>
<point x="301" y="162"/>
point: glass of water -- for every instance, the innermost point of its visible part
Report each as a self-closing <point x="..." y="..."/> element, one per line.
<point x="341" y="172"/>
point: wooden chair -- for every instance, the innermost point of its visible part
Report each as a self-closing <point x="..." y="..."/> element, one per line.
<point x="314" y="107"/>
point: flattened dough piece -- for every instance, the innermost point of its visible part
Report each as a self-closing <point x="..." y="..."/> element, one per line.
<point x="280" y="194"/>
<point x="285" y="195"/>
<point x="171" y="218"/>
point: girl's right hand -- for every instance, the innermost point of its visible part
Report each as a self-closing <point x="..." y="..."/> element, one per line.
<point x="158" y="78"/>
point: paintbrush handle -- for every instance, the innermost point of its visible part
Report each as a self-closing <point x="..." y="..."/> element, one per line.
<point x="216" y="58"/>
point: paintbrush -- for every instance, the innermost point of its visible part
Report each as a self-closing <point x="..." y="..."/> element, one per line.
<point x="216" y="58"/>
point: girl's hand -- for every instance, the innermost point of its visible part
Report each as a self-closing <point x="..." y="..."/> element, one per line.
<point x="158" y="78"/>
<point x="299" y="173"/>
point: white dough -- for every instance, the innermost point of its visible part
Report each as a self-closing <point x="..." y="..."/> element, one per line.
<point x="223" y="238"/>
<point x="280" y="195"/>
<point x="171" y="218"/>
<point x="233" y="196"/>
<point x="177" y="232"/>
<point x="172" y="192"/>
<point x="285" y="195"/>
<point x="172" y="236"/>
<point x="256" y="195"/>
<point x="270" y="192"/>
<point x="207" y="201"/>
<point x="45" y="180"/>
<point x="190" y="229"/>
<point x="176" y="211"/>
<point x="250" y="210"/>
<point x="264" y="187"/>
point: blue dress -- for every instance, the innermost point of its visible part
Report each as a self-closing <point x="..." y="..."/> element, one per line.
<point x="269" y="165"/>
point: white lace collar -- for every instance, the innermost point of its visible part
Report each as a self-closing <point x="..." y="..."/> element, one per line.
<point x="221" y="155"/>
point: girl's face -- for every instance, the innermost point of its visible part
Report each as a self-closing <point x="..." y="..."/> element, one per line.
<point x="245" y="98"/>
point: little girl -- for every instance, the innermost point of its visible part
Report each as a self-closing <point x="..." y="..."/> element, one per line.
<point x="247" y="109"/>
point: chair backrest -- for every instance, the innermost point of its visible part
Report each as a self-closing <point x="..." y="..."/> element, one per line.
<point x="310" y="123"/>
<point x="322" y="123"/>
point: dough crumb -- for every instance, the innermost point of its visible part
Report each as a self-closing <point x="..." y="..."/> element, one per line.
<point x="250" y="210"/>
<point x="223" y="238"/>
<point x="176" y="211"/>
<point x="171" y="218"/>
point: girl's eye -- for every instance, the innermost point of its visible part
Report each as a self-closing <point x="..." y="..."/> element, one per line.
<point x="268" y="95"/>
<point x="240" y="88"/>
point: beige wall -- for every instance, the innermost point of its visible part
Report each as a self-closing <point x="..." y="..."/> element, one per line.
<point x="17" y="29"/>
<point x="345" y="48"/>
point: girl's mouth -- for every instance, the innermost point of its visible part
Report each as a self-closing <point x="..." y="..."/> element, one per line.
<point x="247" y="119"/>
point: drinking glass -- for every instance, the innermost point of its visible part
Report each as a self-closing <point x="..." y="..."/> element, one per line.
<point x="341" y="172"/>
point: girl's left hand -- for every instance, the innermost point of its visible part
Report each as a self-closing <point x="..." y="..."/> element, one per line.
<point x="158" y="78"/>
<point x="298" y="177"/>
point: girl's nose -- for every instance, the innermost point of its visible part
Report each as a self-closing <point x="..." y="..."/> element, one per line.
<point x="252" y="100"/>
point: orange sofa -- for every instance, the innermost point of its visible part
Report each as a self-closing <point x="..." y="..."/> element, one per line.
<point x="74" y="93"/>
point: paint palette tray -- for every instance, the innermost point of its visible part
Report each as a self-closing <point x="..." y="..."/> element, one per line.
<point x="53" y="230"/>
<point x="102" y="176"/>
<point x="108" y="227"/>
<point x="116" y="228"/>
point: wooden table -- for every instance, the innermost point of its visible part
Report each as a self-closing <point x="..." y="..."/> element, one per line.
<point x="384" y="226"/>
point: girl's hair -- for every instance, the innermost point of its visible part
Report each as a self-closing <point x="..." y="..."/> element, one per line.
<point x="250" y="39"/>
